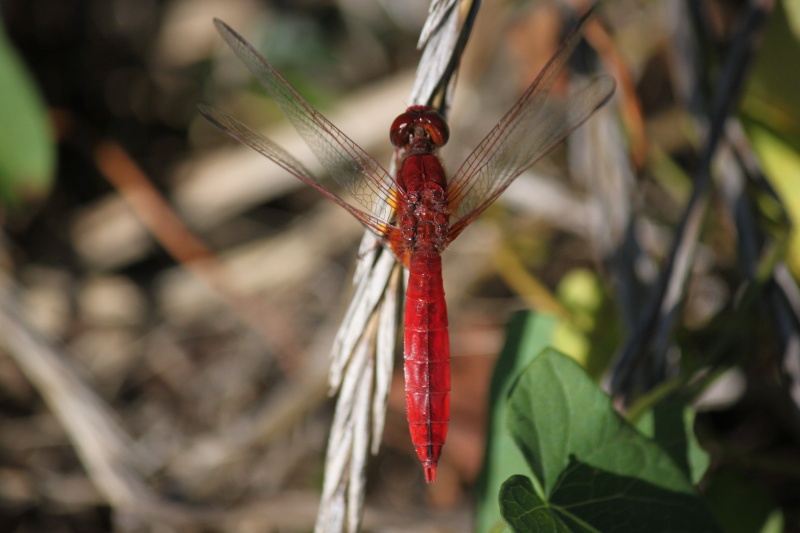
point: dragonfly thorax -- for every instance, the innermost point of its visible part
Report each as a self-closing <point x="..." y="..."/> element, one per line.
<point x="423" y="214"/>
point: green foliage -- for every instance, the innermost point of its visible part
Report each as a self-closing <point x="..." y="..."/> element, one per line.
<point x="524" y="510"/>
<point x="772" y="96"/>
<point x="671" y="425"/>
<point x="27" y="151"/>
<point x="771" y="112"/>
<point x="594" y="471"/>
<point x="528" y="335"/>
<point x="782" y="164"/>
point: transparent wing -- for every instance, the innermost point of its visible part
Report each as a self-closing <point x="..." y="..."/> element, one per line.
<point x="529" y="130"/>
<point x="348" y="165"/>
<point x="281" y="157"/>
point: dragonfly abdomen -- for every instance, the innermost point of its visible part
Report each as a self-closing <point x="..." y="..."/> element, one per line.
<point x="427" y="359"/>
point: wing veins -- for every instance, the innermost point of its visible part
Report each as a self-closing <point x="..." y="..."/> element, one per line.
<point x="341" y="156"/>
<point x="500" y="157"/>
<point x="238" y="131"/>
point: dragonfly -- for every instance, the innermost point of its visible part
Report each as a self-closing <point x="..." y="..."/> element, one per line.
<point x="419" y="211"/>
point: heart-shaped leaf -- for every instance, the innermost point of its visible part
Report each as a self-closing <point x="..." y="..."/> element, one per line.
<point x="596" y="471"/>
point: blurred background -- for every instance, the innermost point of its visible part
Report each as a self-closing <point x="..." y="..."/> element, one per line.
<point x="170" y="297"/>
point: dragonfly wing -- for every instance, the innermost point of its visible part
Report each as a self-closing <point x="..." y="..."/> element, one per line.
<point x="529" y="130"/>
<point x="281" y="157"/>
<point x="349" y="166"/>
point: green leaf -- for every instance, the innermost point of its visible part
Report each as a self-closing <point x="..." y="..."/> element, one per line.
<point x="611" y="502"/>
<point x="781" y="163"/>
<point x="525" y="511"/>
<point x="671" y="424"/>
<point x="527" y="334"/>
<point x="595" y="470"/>
<point x="772" y="93"/>
<point x="793" y="16"/>
<point x="27" y="151"/>
<point x="555" y="411"/>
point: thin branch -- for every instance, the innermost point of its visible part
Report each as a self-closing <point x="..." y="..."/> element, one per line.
<point x="188" y="250"/>
<point x="369" y="328"/>
<point x="642" y="361"/>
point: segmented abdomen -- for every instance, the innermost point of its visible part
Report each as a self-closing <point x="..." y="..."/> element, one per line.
<point x="427" y="359"/>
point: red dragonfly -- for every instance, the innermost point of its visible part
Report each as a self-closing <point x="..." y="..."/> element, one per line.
<point x="420" y="211"/>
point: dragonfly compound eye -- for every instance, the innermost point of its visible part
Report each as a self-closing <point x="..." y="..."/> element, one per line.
<point x="432" y="123"/>
<point x="436" y="127"/>
<point x="402" y="127"/>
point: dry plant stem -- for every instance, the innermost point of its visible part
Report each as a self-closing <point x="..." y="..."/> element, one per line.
<point x="598" y="157"/>
<point x="782" y="295"/>
<point x="343" y="487"/>
<point x="109" y="455"/>
<point x="361" y="437"/>
<point x="364" y="348"/>
<point x="285" y="406"/>
<point x="369" y="292"/>
<point x="761" y="258"/>
<point x="443" y="38"/>
<point x="766" y="279"/>
<point x="630" y="105"/>
<point x="786" y="301"/>
<point x="384" y="352"/>
<point x="635" y="370"/>
<point x="112" y="460"/>
<point x="114" y="463"/>
<point x="156" y="214"/>
<point x="365" y="342"/>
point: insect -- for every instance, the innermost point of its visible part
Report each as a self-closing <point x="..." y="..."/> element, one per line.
<point x="418" y="212"/>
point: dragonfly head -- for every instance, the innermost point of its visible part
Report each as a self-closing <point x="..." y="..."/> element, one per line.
<point x="420" y="128"/>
